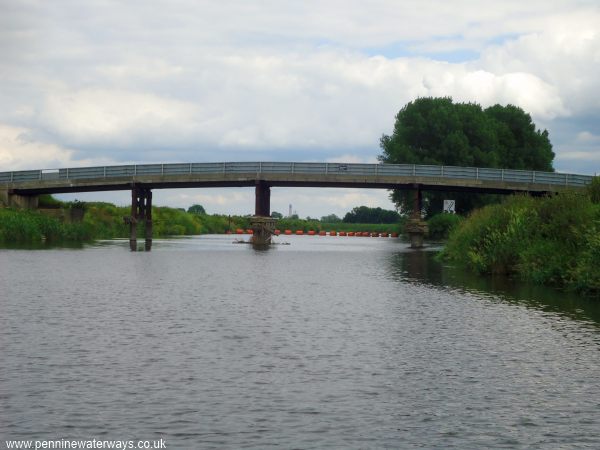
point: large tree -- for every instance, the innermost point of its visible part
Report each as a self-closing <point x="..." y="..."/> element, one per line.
<point x="439" y="131"/>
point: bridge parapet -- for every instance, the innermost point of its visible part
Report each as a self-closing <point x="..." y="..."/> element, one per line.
<point x="342" y="170"/>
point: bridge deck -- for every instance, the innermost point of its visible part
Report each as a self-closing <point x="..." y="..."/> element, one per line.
<point x="232" y="174"/>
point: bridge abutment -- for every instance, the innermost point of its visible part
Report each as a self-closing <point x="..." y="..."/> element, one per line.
<point x="141" y="212"/>
<point x="13" y="200"/>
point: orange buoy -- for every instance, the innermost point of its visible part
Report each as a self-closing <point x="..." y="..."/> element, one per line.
<point x="311" y="232"/>
<point x="395" y="235"/>
<point x="332" y="233"/>
<point x="350" y="233"/>
<point x="342" y="233"/>
<point x="250" y="231"/>
<point x="288" y="232"/>
<point x="239" y="231"/>
<point x="299" y="232"/>
<point x="277" y="232"/>
<point x="365" y="234"/>
<point x="322" y="233"/>
<point x="385" y="234"/>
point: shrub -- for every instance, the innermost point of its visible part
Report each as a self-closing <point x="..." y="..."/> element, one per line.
<point x="552" y="240"/>
<point x="440" y="225"/>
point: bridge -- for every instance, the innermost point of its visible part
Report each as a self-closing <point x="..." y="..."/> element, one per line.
<point x="22" y="188"/>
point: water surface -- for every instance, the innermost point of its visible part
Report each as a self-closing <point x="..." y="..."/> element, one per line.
<point x="325" y="343"/>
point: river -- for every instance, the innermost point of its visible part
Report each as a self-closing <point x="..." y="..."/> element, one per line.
<point x="324" y="343"/>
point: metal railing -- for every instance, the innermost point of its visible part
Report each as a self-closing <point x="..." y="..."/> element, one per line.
<point x="341" y="169"/>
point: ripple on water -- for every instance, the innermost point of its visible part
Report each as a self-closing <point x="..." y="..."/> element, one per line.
<point x="331" y="343"/>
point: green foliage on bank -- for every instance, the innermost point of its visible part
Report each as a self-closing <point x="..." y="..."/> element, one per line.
<point x="24" y="226"/>
<point x="104" y="221"/>
<point x="442" y="224"/>
<point x="552" y="240"/>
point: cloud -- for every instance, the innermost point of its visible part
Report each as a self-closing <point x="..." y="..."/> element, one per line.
<point x="175" y="81"/>
<point x="19" y="152"/>
<point x="357" y="159"/>
<point x="115" y="117"/>
<point x="588" y="138"/>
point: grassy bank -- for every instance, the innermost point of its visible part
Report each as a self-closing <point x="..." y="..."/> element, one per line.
<point x="551" y="240"/>
<point x="103" y="221"/>
<point x="23" y="226"/>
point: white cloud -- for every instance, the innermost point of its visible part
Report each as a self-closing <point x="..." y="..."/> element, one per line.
<point x="101" y="116"/>
<point x="357" y="159"/>
<point x="588" y="138"/>
<point x="18" y="151"/>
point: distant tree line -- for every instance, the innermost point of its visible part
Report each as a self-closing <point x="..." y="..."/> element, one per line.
<point x="364" y="214"/>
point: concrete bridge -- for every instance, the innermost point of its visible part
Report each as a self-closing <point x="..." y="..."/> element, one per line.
<point x="21" y="188"/>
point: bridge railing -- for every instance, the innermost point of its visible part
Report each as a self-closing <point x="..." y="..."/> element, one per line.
<point x="338" y="169"/>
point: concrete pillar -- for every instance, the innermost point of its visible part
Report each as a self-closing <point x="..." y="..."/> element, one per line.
<point x="263" y="199"/>
<point x="148" y="220"/>
<point x="133" y="220"/>
<point x="416" y="227"/>
<point x="263" y="225"/>
<point x="141" y="209"/>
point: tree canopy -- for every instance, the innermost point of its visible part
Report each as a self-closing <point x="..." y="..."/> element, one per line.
<point x="196" y="209"/>
<point x="441" y="132"/>
<point x="364" y="214"/>
<point x="331" y="218"/>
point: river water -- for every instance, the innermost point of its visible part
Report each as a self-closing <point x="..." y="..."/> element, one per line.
<point x="324" y="343"/>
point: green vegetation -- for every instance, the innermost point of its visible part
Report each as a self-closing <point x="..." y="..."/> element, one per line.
<point x="442" y="224"/>
<point x="196" y="209"/>
<point x="331" y="218"/>
<point x="438" y="131"/>
<point x="364" y="214"/>
<point x="103" y="221"/>
<point x="20" y="226"/>
<point x="551" y="240"/>
<point x="316" y="225"/>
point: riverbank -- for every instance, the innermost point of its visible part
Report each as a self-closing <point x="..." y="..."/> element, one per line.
<point x="550" y="240"/>
<point x="100" y="220"/>
<point x="58" y="221"/>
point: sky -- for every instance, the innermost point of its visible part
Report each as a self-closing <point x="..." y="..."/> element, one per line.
<point x="102" y="82"/>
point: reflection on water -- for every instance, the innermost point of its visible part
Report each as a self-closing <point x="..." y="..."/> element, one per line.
<point x="424" y="267"/>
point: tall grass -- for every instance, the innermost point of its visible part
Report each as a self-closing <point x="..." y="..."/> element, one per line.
<point x="106" y="221"/>
<point x="31" y="226"/>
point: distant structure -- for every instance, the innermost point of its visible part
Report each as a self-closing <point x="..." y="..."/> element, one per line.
<point x="290" y="211"/>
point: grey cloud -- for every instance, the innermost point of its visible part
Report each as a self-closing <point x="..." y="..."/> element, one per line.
<point x="187" y="80"/>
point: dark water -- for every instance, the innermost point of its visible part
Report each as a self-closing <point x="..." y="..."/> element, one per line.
<point x="326" y="343"/>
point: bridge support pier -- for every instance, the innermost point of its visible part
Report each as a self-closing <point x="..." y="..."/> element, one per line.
<point x="263" y="225"/>
<point x="141" y="211"/>
<point x="416" y="227"/>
